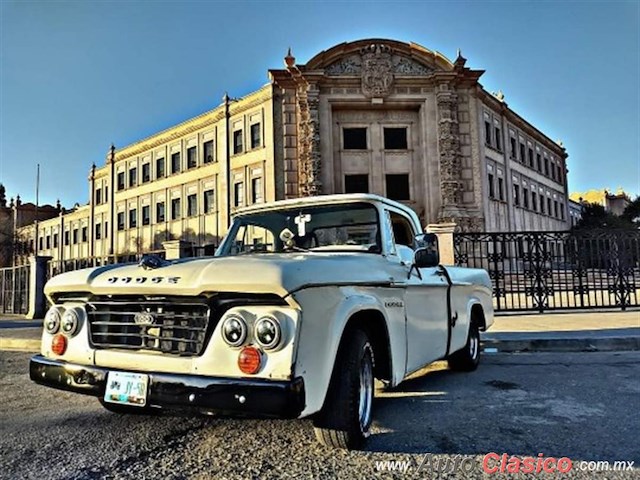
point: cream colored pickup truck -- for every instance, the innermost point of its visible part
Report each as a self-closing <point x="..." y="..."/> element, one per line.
<point x="305" y="302"/>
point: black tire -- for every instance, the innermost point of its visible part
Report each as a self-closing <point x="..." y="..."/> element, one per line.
<point x="342" y="423"/>
<point x="467" y="359"/>
<point x="128" y="410"/>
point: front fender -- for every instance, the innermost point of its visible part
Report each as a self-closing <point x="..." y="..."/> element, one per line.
<point x="325" y="313"/>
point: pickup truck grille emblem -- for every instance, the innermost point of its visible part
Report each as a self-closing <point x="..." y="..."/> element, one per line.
<point x="144" y="318"/>
<point x="156" y="280"/>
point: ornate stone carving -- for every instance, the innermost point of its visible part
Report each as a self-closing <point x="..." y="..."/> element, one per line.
<point x="449" y="146"/>
<point x="377" y="70"/>
<point x="351" y="65"/>
<point x="309" y="140"/>
<point x="406" y="66"/>
<point x="401" y="65"/>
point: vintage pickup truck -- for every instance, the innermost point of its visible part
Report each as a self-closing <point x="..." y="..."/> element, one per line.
<point x="305" y="302"/>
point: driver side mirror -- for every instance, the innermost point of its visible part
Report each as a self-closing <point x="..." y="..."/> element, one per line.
<point x="426" y="251"/>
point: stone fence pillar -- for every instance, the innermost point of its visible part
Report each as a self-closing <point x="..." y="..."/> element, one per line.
<point x="176" y="249"/>
<point x="444" y="232"/>
<point x="37" y="279"/>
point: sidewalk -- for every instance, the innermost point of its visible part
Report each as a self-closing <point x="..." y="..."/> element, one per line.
<point x="552" y="332"/>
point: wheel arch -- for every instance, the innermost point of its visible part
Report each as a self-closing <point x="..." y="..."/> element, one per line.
<point x="476" y="312"/>
<point x="374" y="324"/>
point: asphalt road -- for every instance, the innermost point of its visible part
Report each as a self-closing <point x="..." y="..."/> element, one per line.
<point x="584" y="406"/>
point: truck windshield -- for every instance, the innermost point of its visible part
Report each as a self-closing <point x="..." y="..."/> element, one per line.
<point x="341" y="227"/>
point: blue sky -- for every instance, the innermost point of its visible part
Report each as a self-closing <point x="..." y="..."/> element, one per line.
<point x="76" y="76"/>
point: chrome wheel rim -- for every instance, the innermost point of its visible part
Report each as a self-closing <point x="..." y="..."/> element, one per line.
<point x="366" y="393"/>
<point x="473" y="345"/>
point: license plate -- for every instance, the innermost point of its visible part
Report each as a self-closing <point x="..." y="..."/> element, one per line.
<point x="126" y="388"/>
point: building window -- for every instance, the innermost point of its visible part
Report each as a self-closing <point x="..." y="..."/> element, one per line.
<point x="498" y="138"/>
<point x="120" y="221"/>
<point x="207" y="148"/>
<point x="146" y="215"/>
<point x="513" y="147"/>
<point x="354" y="138"/>
<point x="237" y="141"/>
<point x="133" y="218"/>
<point x="398" y="186"/>
<point x="55" y="240"/>
<point x="106" y="193"/>
<point x="525" y="198"/>
<point x="356" y="184"/>
<point x="41" y="243"/>
<point x="539" y="161"/>
<point x="192" y="159"/>
<point x="84" y="234"/>
<point x="487" y="132"/>
<point x="523" y="157"/>
<point x="146" y="172"/>
<point x="98" y="196"/>
<point x="47" y="242"/>
<point x="541" y="204"/>
<point x="238" y="194"/>
<point x="106" y="229"/>
<point x="75" y="236"/>
<point x="394" y="138"/>
<point x="492" y="192"/>
<point x="66" y="237"/>
<point x="133" y="177"/>
<point x="530" y="157"/>
<point x="192" y="205"/>
<point x="534" y="201"/>
<point x="256" y="190"/>
<point x="160" y="167"/>
<point x="516" y="195"/>
<point x="501" y="188"/>
<point x="98" y="228"/>
<point x="553" y="171"/>
<point x="255" y="135"/>
<point x="549" y="211"/>
<point x="555" y="209"/>
<point x="562" y="212"/>
<point x="209" y="201"/>
<point x="546" y="166"/>
<point x="120" y="180"/>
<point x="175" y="209"/>
<point x="175" y="162"/>
<point x="159" y="212"/>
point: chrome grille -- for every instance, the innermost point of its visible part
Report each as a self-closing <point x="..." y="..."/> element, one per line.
<point x="175" y="326"/>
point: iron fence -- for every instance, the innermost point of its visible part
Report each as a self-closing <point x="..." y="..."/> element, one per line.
<point x="14" y="289"/>
<point x="543" y="271"/>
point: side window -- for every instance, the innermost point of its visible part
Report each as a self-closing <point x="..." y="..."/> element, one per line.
<point x="403" y="233"/>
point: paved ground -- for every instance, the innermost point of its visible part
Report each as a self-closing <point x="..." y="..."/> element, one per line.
<point x="579" y="405"/>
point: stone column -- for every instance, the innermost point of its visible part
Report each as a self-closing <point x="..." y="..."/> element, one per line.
<point x="37" y="279"/>
<point x="444" y="232"/>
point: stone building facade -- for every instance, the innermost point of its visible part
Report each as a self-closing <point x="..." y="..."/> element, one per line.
<point x="376" y="115"/>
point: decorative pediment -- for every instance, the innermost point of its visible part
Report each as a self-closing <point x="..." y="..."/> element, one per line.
<point x="400" y="65"/>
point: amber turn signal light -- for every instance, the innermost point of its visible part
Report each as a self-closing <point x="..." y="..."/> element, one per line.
<point x="59" y="344"/>
<point x="249" y="360"/>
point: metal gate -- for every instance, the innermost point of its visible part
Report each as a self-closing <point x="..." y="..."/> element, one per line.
<point x="556" y="270"/>
<point x="14" y="290"/>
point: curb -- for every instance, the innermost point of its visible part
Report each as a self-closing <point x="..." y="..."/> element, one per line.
<point x="607" y="344"/>
<point x="20" y="345"/>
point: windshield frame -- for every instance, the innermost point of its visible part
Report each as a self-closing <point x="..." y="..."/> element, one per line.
<point x="236" y="225"/>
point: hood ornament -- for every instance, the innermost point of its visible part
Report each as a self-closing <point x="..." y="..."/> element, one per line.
<point x="151" y="262"/>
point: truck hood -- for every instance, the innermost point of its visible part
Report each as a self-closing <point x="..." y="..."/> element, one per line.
<point x="278" y="274"/>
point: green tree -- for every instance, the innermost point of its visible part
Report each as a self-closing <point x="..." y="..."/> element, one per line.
<point x="595" y="216"/>
<point x="632" y="212"/>
<point x="3" y="196"/>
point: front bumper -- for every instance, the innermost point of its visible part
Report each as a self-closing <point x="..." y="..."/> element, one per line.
<point x="281" y="399"/>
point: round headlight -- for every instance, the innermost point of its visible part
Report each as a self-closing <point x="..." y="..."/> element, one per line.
<point x="70" y="323"/>
<point x="234" y="330"/>
<point x="267" y="332"/>
<point x="52" y="320"/>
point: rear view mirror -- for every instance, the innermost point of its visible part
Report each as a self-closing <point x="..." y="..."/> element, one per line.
<point x="426" y="254"/>
<point x="425" y="258"/>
